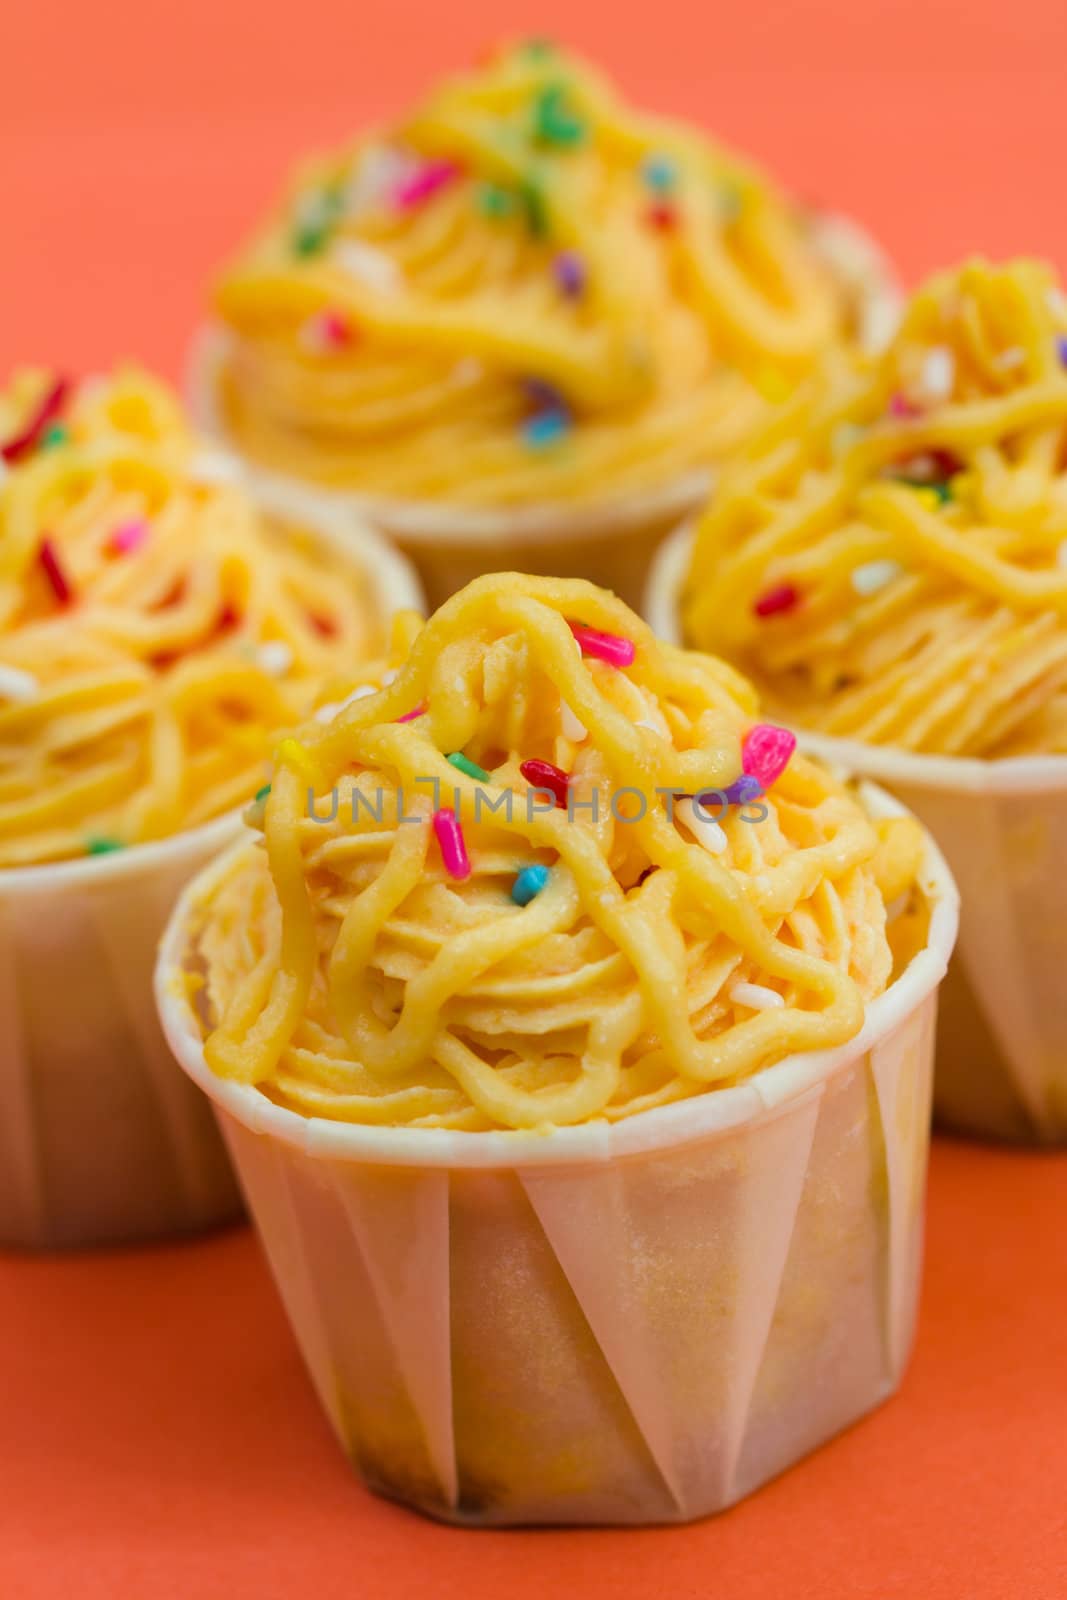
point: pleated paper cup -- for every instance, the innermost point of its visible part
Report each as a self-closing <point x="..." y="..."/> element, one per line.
<point x="1002" y="1045"/>
<point x="610" y="541"/>
<point x="102" y="1139"/>
<point x="627" y="1323"/>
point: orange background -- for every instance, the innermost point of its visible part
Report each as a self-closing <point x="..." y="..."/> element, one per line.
<point x="158" y="1440"/>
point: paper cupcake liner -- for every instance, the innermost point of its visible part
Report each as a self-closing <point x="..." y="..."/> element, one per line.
<point x="612" y="541"/>
<point x="627" y="1323"/>
<point x="102" y="1139"/>
<point x="1002" y="1044"/>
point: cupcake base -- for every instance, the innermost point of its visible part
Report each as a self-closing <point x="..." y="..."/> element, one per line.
<point x="629" y="1323"/>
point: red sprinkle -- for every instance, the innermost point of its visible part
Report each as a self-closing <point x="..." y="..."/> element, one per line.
<point x="783" y="597"/>
<point x="323" y="625"/>
<point x="662" y="215"/>
<point x="609" y="647"/>
<point x="128" y="538"/>
<point x="49" y="559"/>
<point x="46" y="412"/>
<point x="766" y="751"/>
<point x="409" y="716"/>
<point x="543" y="775"/>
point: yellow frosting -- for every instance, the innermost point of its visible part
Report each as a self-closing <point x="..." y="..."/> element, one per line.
<point x="902" y="526"/>
<point x="413" y="347"/>
<point x="143" y="679"/>
<point x="348" y="972"/>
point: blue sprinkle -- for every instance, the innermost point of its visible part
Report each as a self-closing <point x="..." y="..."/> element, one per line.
<point x="546" y="427"/>
<point x="530" y="882"/>
<point x="743" y="789"/>
<point x="1061" y="346"/>
<point x="659" y="172"/>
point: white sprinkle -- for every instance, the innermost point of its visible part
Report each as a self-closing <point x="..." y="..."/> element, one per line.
<point x="643" y="722"/>
<point x="212" y="467"/>
<point x="1061" y="555"/>
<point x="879" y="322"/>
<point x="756" y="996"/>
<point x="468" y="371"/>
<point x="17" y="685"/>
<point x="939" y="373"/>
<point x="327" y="713"/>
<point x="381" y="170"/>
<point x="570" y="726"/>
<point x="705" y="829"/>
<point x="1013" y="356"/>
<point x="389" y="677"/>
<point x="372" y="267"/>
<point x="874" y="575"/>
<point x="275" y="657"/>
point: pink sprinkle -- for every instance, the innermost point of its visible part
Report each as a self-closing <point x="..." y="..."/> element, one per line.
<point x="49" y="560"/>
<point x="451" y="843"/>
<point x="409" y="716"/>
<point x="783" y="597"/>
<point x="424" y="182"/>
<point x="328" y="330"/>
<point x="765" y="752"/>
<point x="901" y="406"/>
<point x="128" y="538"/>
<point x="609" y="647"/>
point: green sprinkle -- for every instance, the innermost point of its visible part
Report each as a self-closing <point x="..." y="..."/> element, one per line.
<point x="56" y="434"/>
<point x="309" y="239"/>
<point x="261" y="794"/>
<point x="554" y="121"/>
<point x="103" y="847"/>
<point x="493" y="201"/>
<point x="462" y="764"/>
<point x="535" y="204"/>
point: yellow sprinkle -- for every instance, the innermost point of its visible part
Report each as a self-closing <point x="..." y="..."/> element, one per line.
<point x="291" y="753"/>
<point x="929" y="497"/>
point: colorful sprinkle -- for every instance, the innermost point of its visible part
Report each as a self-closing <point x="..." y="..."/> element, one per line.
<point x="494" y="201"/>
<point x="291" y="753"/>
<point x="54" y="436"/>
<point x="662" y="215"/>
<point x="427" y="180"/>
<point x="554" y="120"/>
<point x="49" y="559"/>
<point x="705" y="830"/>
<point x="369" y="266"/>
<point x="766" y="752"/>
<point x="569" y="271"/>
<point x="463" y="763"/>
<point x="254" y="813"/>
<point x="546" y="428"/>
<point x="48" y="409"/>
<point x="900" y="406"/>
<point x="874" y="575"/>
<point x="129" y="537"/>
<point x="18" y="686"/>
<point x="309" y="238"/>
<point x="756" y="996"/>
<point x="412" y="716"/>
<point x="326" y="331"/>
<point x="103" y="847"/>
<point x="543" y="775"/>
<point x="1061" y="349"/>
<point x="777" y="601"/>
<point x="609" y="647"/>
<point x="528" y="884"/>
<point x="451" y="843"/>
<point x="659" y="173"/>
<point x="743" y="789"/>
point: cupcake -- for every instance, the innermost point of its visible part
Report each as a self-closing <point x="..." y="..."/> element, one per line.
<point x="572" y="1036"/>
<point x="155" y="633"/>
<point x="525" y="323"/>
<point x="890" y="565"/>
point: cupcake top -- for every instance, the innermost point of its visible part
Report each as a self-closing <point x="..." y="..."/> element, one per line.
<point x="547" y="871"/>
<point x="524" y="290"/>
<point x="154" y="631"/>
<point x="889" y="560"/>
